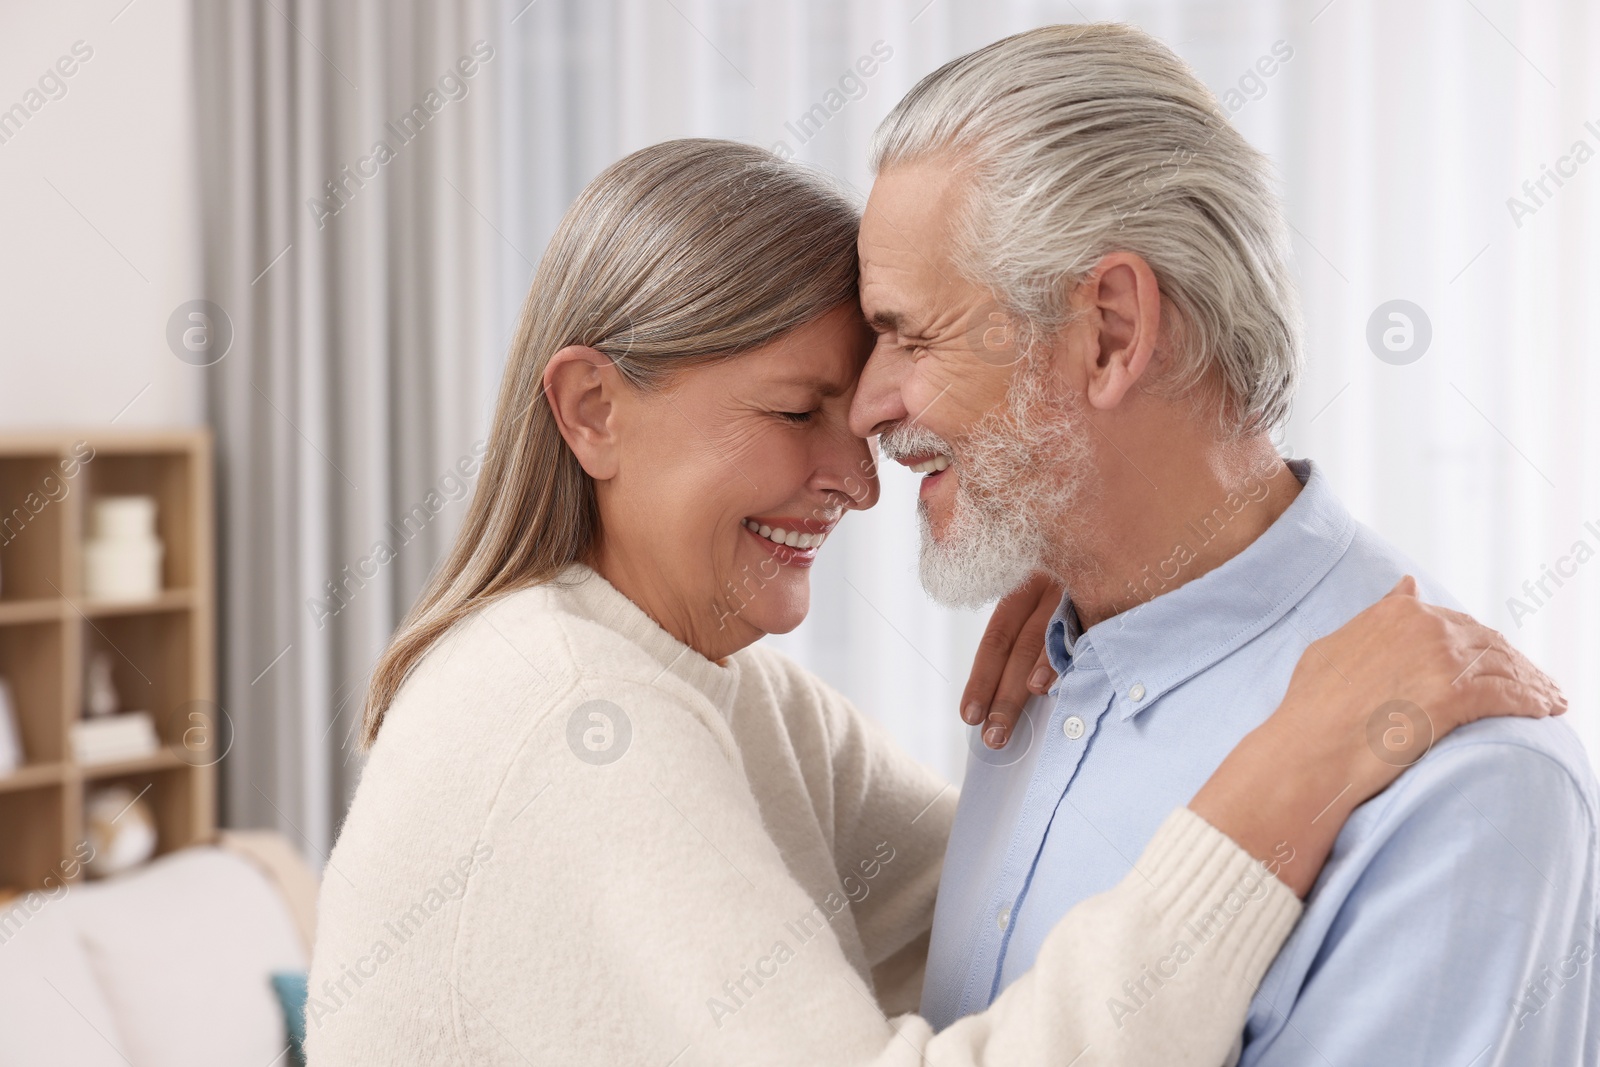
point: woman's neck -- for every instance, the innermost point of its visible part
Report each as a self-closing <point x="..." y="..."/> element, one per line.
<point x="714" y="634"/>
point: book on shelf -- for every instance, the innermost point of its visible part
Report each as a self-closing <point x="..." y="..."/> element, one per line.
<point x="107" y="738"/>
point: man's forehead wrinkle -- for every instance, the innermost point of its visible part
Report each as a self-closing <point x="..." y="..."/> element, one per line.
<point x="907" y="243"/>
<point x="890" y="292"/>
<point x="897" y="298"/>
<point x="896" y="295"/>
<point x="950" y="316"/>
<point x="903" y="307"/>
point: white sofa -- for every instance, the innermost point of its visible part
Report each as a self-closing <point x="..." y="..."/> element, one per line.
<point x="165" y="966"/>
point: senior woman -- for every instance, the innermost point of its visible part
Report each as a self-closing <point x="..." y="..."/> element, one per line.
<point x="600" y="824"/>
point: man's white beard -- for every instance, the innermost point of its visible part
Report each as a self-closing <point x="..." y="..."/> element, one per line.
<point x="1019" y="472"/>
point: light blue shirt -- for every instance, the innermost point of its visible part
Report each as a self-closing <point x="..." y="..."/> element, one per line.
<point x="1455" y="923"/>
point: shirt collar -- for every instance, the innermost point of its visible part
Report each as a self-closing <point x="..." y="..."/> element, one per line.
<point x="1151" y="649"/>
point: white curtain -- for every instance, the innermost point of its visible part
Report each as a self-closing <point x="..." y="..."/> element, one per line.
<point x="360" y="283"/>
<point x="1399" y="130"/>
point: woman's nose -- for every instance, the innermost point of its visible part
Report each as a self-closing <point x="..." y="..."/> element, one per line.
<point x="850" y="469"/>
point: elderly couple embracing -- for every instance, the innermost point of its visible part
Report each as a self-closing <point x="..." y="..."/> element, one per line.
<point x="1198" y="830"/>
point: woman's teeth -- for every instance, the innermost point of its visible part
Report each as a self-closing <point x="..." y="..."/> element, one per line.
<point x="785" y="537"/>
<point x="929" y="466"/>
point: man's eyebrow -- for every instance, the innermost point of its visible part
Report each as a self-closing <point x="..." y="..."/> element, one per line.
<point x="886" y="321"/>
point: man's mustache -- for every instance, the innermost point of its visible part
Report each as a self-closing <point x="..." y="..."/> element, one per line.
<point x="907" y="439"/>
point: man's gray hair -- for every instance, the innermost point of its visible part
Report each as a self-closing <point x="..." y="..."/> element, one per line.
<point x="1078" y="141"/>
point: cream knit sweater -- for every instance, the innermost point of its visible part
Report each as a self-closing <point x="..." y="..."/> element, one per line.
<point x="579" y="842"/>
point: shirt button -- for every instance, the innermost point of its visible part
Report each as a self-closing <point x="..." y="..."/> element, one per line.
<point x="1136" y="694"/>
<point x="1072" y="727"/>
<point x="1004" y="918"/>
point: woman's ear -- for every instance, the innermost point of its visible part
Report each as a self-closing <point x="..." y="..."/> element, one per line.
<point x="1125" y="299"/>
<point x="581" y="386"/>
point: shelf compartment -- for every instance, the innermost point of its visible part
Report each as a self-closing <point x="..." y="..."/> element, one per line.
<point x="33" y="494"/>
<point x="168" y="477"/>
<point x="151" y="664"/>
<point x="31" y="836"/>
<point x="32" y="663"/>
<point x="170" y="795"/>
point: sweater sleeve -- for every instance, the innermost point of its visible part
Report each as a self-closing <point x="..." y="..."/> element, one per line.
<point x="639" y="911"/>
<point x="889" y="807"/>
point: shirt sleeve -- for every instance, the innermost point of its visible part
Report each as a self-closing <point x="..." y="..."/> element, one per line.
<point x="1454" y="924"/>
<point x="640" y="912"/>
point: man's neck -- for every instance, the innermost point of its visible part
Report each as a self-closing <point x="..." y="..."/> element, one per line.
<point x="1182" y="513"/>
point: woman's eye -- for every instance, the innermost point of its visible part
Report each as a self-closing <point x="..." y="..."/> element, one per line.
<point x="796" y="416"/>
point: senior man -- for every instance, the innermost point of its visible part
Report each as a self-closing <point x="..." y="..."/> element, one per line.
<point x="1080" y="281"/>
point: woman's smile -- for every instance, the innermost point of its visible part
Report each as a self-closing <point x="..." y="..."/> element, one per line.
<point x="791" y="541"/>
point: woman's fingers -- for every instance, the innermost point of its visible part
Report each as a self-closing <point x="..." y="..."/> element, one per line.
<point x="1500" y="681"/>
<point x="1010" y="653"/>
<point x="1017" y="681"/>
<point x="1406" y="586"/>
<point x="1490" y="677"/>
<point x="1044" y="673"/>
<point x="1492" y="695"/>
<point x="994" y="650"/>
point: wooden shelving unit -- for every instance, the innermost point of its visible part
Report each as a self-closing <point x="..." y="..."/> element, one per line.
<point x="163" y="649"/>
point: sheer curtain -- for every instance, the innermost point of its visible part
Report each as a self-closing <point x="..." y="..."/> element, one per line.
<point x="1403" y="134"/>
<point x="348" y="161"/>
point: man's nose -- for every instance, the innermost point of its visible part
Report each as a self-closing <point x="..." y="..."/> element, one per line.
<point x="878" y="403"/>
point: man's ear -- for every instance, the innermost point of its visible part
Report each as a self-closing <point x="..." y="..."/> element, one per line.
<point x="581" y="386"/>
<point x="1124" y="302"/>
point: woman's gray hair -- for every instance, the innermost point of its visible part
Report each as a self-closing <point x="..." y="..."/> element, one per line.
<point x="1084" y="140"/>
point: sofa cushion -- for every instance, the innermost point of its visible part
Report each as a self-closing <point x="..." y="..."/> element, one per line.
<point x="51" y="1007"/>
<point x="184" y="949"/>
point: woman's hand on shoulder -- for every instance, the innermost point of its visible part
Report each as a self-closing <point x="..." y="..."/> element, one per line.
<point x="1363" y="704"/>
<point x="1402" y="674"/>
<point x="1011" y="664"/>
